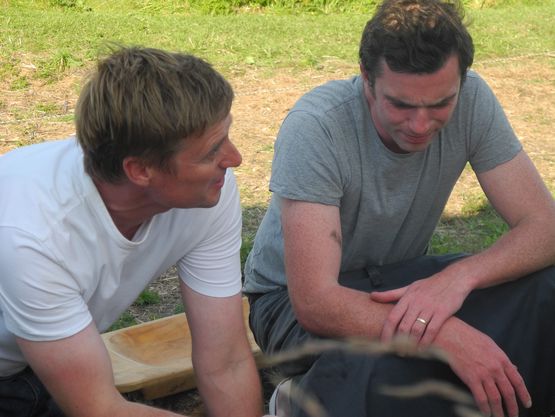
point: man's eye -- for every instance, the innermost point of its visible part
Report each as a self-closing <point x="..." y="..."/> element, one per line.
<point x="212" y="153"/>
<point x="439" y="106"/>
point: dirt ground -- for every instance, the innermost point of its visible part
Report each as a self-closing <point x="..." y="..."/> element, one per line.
<point x="42" y="111"/>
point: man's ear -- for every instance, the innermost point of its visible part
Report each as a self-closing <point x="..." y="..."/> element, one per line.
<point x="137" y="171"/>
<point x="363" y="72"/>
<point x="368" y="88"/>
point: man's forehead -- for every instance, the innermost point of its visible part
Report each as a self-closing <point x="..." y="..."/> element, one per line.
<point x="419" y="88"/>
<point x="451" y="63"/>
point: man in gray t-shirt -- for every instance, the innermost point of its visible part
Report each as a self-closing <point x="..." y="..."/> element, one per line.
<point x="362" y="171"/>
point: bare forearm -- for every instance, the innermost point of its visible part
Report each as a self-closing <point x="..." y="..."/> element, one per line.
<point x="521" y="251"/>
<point x="517" y="192"/>
<point x="235" y="391"/>
<point x="341" y="312"/>
<point x="113" y="404"/>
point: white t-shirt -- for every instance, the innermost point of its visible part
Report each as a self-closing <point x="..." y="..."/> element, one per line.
<point x="63" y="262"/>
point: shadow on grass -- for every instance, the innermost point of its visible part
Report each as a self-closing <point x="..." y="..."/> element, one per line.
<point x="477" y="228"/>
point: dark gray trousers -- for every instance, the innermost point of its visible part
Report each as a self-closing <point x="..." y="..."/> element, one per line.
<point x="23" y="395"/>
<point x="519" y="316"/>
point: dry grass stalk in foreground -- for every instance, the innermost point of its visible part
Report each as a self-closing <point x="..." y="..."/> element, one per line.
<point x="463" y="403"/>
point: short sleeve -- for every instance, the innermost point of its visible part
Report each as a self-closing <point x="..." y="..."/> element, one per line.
<point x="493" y="140"/>
<point x="306" y="165"/>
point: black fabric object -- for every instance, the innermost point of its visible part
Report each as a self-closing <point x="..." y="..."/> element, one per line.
<point x="24" y="395"/>
<point x="519" y="316"/>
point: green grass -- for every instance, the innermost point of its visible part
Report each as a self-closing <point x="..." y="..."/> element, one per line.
<point x="475" y="229"/>
<point x="59" y="38"/>
<point x="511" y="31"/>
<point x="147" y="297"/>
<point x="20" y="83"/>
<point x="126" y="319"/>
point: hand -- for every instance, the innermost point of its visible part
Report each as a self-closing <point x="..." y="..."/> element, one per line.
<point x="487" y="371"/>
<point x="422" y="307"/>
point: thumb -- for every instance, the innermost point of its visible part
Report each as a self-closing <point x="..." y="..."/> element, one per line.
<point x="387" y="296"/>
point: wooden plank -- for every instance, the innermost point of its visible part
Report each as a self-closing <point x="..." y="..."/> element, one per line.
<point x="155" y="357"/>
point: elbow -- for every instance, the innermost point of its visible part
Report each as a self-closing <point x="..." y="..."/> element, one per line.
<point x="308" y="323"/>
<point x="310" y="313"/>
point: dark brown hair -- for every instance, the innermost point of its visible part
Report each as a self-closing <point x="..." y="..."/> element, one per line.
<point x="415" y="36"/>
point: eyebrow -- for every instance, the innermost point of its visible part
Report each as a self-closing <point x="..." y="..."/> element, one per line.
<point x="214" y="148"/>
<point x="401" y="103"/>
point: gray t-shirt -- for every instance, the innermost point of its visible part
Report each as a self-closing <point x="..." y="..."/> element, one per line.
<point x="328" y="152"/>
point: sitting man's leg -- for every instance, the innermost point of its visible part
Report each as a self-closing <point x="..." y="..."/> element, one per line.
<point x="363" y="385"/>
<point x="518" y="316"/>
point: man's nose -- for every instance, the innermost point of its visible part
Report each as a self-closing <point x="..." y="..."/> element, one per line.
<point x="420" y="121"/>
<point x="232" y="157"/>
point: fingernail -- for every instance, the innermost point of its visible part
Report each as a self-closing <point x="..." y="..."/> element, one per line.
<point x="528" y="404"/>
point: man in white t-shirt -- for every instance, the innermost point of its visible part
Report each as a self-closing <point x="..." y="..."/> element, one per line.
<point x="87" y="222"/>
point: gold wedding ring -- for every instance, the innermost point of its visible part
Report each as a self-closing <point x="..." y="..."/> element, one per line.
<point x="421" y="320"/>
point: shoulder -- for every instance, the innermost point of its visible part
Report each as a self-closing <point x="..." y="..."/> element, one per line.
<point x="328" y="113"/>
<point x="40" y="184"/>
<point x="477" y="103"/>
<point x="475" y="88"/>
<point x="329" y="97"/>
<point x="41" y="164"/>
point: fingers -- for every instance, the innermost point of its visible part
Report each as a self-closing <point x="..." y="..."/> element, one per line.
<point x="494" y="381"/>
<point x="390" y="296"/>
<point x="493" y="398"/>
<point x="432" y="329"/>
<point x="413" y="324"/>
<point x="508" y="397"/>
<point x="481" y="398"/>
<point x="422" y="327"/>
<point x="497" y="396"/>
<point x="391" y="324"/>
<point x="517" y="382"/>
<point x="418" y="313"/>
<point x="488" y="398"/>
<point x="404" y="321"/>
<point x="509" y="387"/>
<point x="419" y="328"/>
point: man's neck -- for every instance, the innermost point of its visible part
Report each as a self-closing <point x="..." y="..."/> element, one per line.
<point x="127" y="204"/>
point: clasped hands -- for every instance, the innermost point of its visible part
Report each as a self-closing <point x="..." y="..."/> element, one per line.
<point x="424" y="312"/>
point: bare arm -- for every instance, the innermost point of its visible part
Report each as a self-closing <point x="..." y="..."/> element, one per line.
<point x="312" y="239"/>
<point x="518" y="194"/>
<point x="78" y="374"/>
<point x="226" y="374"/>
